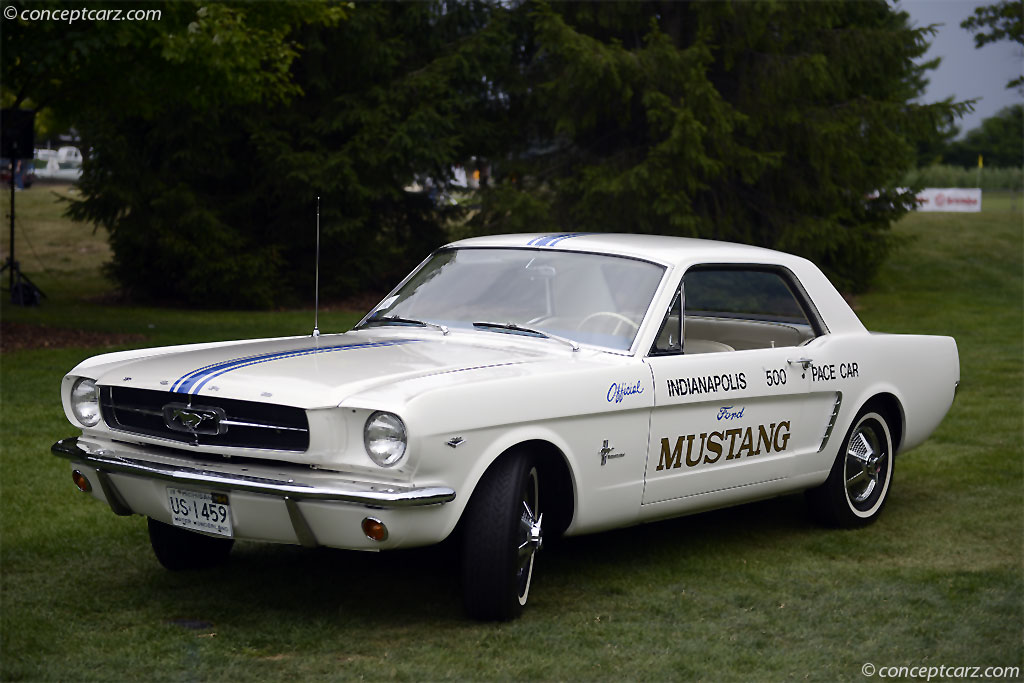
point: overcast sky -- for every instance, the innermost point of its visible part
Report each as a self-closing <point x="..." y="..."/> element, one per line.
<point x="966" y="72"/>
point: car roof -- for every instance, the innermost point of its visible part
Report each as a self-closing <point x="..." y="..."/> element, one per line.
<point x="681" y="253"/>
<point x="658" y="248"/>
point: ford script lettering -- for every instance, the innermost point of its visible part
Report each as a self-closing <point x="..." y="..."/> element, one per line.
<point x="728" y="413"/>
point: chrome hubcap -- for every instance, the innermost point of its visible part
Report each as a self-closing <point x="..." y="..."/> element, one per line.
<point x="865" y="459"/>
<point x="531" y="535"/>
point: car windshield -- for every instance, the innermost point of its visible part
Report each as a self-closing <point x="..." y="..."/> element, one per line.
<point x="589" y="298"/>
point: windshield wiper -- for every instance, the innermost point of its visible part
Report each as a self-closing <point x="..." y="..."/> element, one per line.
<point x="528" y="330"/>
<point x="396" y="320"/>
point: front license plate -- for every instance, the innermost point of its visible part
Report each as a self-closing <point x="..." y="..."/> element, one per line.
<point x="198" y="511"/>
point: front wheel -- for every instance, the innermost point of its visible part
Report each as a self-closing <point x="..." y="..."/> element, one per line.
<point x="502" y="536"/>
<point x="858" y="485"/>
<point x="178" y="550"/>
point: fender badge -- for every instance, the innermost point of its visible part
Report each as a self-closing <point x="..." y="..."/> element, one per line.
<point x="606" y="453"/>
<point x="456" y="441"/>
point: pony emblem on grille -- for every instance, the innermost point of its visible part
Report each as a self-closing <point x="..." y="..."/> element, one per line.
<point x="194" y="419"/>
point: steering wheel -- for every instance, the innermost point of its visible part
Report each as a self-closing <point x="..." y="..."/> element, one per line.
<point x="618" y="317"/>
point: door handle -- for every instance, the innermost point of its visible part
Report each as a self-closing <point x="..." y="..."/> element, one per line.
<point x="802" y="362"/>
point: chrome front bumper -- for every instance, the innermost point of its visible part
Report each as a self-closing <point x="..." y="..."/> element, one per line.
<point x="276" y="502"/>
<point x="311" y="485"/>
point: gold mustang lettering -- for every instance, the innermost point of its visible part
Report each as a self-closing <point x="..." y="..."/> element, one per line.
<point x="774" y="437"/>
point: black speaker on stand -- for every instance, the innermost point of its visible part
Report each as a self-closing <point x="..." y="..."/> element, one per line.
<point x="17" y="138"/>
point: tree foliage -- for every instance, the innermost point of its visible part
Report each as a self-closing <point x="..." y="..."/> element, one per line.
<point x="1003" y="20"/>
<point x="161" y="108"/>
<point x="764" y="123"/>
<point x="999" y="140"/>
<point x="213" y="130"/>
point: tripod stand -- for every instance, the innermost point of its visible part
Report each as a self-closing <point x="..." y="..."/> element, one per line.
<point x="23" y="291"/>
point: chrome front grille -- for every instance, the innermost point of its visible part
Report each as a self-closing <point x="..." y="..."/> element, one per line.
<point x="205" y="421"/>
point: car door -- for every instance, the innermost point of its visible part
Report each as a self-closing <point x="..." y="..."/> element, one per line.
<point x="731" y="418"/>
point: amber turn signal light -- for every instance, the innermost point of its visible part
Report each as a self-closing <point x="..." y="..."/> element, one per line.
<point x="375" y="529"/>
<point x="81" y="481"/>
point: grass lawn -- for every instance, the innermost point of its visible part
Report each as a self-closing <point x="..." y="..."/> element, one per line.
<point x="750" y="593"/>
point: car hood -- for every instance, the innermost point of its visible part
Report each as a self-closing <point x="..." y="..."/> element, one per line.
<point x="314" y="372"/>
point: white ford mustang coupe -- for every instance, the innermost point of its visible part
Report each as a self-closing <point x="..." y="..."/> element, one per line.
<point x="515" y="387"/>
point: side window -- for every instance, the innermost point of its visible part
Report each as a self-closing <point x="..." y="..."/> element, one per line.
<point x="670" y="334"/>
<point x="734" y="308"/>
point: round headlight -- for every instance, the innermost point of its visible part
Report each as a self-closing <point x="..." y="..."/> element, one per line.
<point x="85" y="401"/>
<point x="384" y="438"/>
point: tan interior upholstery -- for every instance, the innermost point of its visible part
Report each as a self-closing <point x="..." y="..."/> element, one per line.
<point x="712" y="335"/>
<point x="704" y="346"/>
<point x="747" y="334"/>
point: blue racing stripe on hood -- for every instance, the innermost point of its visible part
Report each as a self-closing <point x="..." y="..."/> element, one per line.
<point x="192" y="382"/>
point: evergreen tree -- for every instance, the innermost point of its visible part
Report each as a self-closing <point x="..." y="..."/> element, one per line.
<point x="162" y="107"/>
<point x="764" y="123"/>
<point x="213" y="130"/>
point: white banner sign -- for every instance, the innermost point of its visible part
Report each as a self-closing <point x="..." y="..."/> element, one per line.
<point x="949" y="199"/>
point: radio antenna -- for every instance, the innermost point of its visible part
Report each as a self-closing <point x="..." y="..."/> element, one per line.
<point x="316" y="293"/>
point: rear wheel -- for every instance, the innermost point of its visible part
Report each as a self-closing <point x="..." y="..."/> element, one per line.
<point x="858" y="485"/>
<point x="502" y="536"/>
<point x="178" y="550"/>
